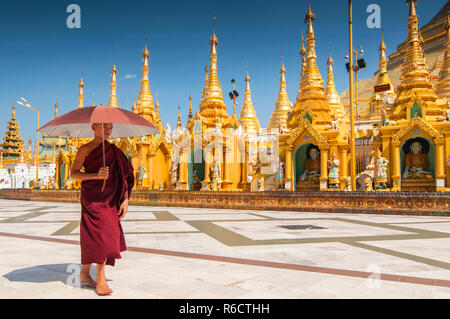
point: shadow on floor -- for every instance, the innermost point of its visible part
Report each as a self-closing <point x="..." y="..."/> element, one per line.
<point x="68" y="274"/>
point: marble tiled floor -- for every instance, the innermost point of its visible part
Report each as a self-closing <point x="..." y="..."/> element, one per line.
<point x="178" y="252"/>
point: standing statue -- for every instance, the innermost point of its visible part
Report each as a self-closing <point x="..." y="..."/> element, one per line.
<point x="333" y="166"/>
<point x="173" y="173"/>
<point x="312" y="166"/>
<point x="415" y="162"/>
<point x="161" y="186"/>
<point x="280" y="175"/>
<point x="215" y="175"/>
<point x="140" y="176"/>
<point x="381" y="164"/>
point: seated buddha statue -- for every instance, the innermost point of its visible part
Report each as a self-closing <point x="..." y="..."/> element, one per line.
<point x="415" y="163"/>
<point x="312" y="166"/>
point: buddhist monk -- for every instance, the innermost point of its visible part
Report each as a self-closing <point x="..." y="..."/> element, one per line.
<point x="101" y="236"/>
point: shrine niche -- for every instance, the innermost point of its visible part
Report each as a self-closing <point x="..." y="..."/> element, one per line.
<point x="196" y="169"/>
<point x="307" y="166"/>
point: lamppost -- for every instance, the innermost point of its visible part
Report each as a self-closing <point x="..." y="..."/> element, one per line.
<point x="37" y="135"/>
<point x="233" y="95"/>
<point x="359" y="64"/>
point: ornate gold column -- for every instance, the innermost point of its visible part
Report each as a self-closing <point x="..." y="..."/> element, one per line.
<point x="396" y="168"/>
<point x="226" y="169"/>
<point x="323" y="168"/>
<point x="150" y="171"/>
<point x="344" y="167"/>
<point x="244" y="170"/>
<point x="183" y="171"/>
<point x="440" y="164"/>
<point x="57" y="173"/>
<point x="208" y="163"/>
<point x="288" y="172"/>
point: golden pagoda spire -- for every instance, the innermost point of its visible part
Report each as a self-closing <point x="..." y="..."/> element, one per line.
<point x="113" y="96"/>
<point x="206" y="81"/>
<point x="247" y="117"/>
<point x="331" y="93"/>
<point x="80" y="92"/>
<point x="443" y="85"/>
<point x="21" y="153"/>
<point x="179" y="116"/>
<point x="190" y="108"/>
<point x="1" y="160"/>
<point x="212" y="104"/>
<point x="13" y="114"/>
<point x="415" y="78"/>
<point x="133" y="106"/>
<point x="311" y="93"/>
<point x="383" y="77"/>
<point x="303" y="67"/>
<point x="278" y="119"/>
<point x="145" y="98"/>
<point x="56" y="108"/>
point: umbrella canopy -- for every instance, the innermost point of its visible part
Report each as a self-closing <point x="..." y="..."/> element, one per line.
<point x="77" y="123"/>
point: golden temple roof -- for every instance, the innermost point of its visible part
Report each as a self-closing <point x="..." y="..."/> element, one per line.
<point x="443" y="85"/>
<point x="80" y="92"/>
<point x="247" y="117"/>
<point x="311" y="95"/>
<point x="415" y="78"/>
<point x="113" y="95"/>
<point x="279" y="117"/>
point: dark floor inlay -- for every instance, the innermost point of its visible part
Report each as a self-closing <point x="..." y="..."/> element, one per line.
<point x="293" y="227"/>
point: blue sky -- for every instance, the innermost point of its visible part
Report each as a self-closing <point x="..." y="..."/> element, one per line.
<point x="42" y="58"/>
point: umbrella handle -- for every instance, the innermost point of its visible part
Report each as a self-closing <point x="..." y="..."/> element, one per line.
<point x="104" y="184"/>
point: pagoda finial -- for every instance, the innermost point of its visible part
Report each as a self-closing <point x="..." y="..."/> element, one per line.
<point x="331" y="92"/>
<point x="247" y="116"/>
<point x="80" y="92"/>
<point x="213" y="91"/>
<point x="412" y="7"/>
<point x="145" y="98"/>
<point x="179" y="116"/>
<point x="309" y="18"/>
<point x="56" y="108"/>
<point x="13" y="114"/>
<point x="278" y="119"/>
<point x="113" y="95"/>
<point x="190" y="107"/>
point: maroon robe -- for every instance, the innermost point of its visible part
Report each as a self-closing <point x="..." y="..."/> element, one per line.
<point x="101" y="234"/>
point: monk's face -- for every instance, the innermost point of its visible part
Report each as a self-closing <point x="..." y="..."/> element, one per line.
<point x="97" y="128"/>
<point x="314" y="153"/>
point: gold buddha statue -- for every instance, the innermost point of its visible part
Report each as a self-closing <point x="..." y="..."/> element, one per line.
<point x="312" y="166"/>
<point x="415" y="163"/>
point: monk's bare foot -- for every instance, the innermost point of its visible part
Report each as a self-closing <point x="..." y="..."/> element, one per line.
<point x="102" y="288"/>
<point x="85" y="278"/>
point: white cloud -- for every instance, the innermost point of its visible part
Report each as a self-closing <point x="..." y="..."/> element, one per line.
<point x="129" y="76"/>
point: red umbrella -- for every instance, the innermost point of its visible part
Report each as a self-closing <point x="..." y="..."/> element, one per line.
<point x="77" y="123"/>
